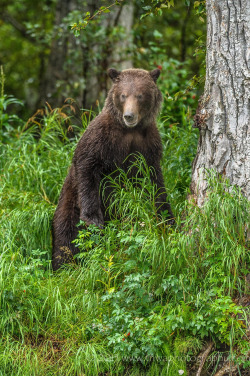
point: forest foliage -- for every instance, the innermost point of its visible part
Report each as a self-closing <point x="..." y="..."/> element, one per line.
<point x="38" y="48"/>
<point x="140" y="297"/>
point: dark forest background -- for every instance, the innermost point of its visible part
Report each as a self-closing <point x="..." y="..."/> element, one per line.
<point x="44" y="61"/>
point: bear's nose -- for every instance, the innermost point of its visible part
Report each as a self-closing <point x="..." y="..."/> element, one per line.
<point x="129" y="116"/>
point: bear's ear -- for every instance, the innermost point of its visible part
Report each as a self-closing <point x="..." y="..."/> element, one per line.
<point x="113" y="73"/>
<point x="155" y="74"/>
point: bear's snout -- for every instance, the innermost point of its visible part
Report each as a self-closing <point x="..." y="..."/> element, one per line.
<point x="129" y="117"/>
<point x="130" y="112"/>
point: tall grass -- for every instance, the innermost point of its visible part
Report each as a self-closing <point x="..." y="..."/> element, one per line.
<point x="140" y="297"/>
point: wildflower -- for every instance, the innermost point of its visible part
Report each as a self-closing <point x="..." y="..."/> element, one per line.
<point x="180" y="371"/>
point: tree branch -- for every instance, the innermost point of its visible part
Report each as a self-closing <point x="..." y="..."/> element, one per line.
<point x="204" y="357"/>
<point x="6" y="17"/>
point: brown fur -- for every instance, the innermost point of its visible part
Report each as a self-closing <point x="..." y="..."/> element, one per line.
<point x="104" y="146"/>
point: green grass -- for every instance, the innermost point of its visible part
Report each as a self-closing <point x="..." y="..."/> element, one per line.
<point x="144" y="297"/>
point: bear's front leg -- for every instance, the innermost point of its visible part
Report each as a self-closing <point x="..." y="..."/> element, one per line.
<point x="89" y="201"/>
<point x="95" y="218"/>
<point x="161" y="202"/>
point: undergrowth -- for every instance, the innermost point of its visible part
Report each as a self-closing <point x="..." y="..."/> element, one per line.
<point x="140" y="297"/>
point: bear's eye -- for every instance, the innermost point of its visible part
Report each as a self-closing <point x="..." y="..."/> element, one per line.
<point x="123" y="97"/>
<point x="139" y="96"/>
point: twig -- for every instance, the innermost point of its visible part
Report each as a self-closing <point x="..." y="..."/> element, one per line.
<point x="83" y="24"/>
<point x="103" y="9"/>
<point x="204" y="357"/>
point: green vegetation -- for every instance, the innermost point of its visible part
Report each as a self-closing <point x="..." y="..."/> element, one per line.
<point x="140" y="298"/>
<point x="143" y="298"/>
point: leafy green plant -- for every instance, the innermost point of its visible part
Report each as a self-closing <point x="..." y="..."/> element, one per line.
<point x="179" y="151"/>
<point x="7" y="121"/>
<point x="187" y="294"/>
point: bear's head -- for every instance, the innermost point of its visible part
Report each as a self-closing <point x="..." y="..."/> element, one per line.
<point x="135" y="95"/>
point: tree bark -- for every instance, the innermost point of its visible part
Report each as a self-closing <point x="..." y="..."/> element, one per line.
<point x="223" y="115"/>
<point x="115" y="54"/>
<point x="56" y="74"/>
<point x="96" y="55"/>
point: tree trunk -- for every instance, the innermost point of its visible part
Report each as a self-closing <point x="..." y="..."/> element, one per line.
<point x="56" y="74"/>
<point x="223" y="115"/>
<point x="94" y="52"/>
<point x="115" y="53"/>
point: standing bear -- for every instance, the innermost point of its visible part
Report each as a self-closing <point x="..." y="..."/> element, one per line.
<point x="127" y="124"/>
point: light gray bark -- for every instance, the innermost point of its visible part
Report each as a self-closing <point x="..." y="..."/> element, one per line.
<point x="121" y="58"/>
<point x="223" y="116"/>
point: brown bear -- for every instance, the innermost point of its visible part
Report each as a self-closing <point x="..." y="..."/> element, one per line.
<point x="126" y="125"/>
